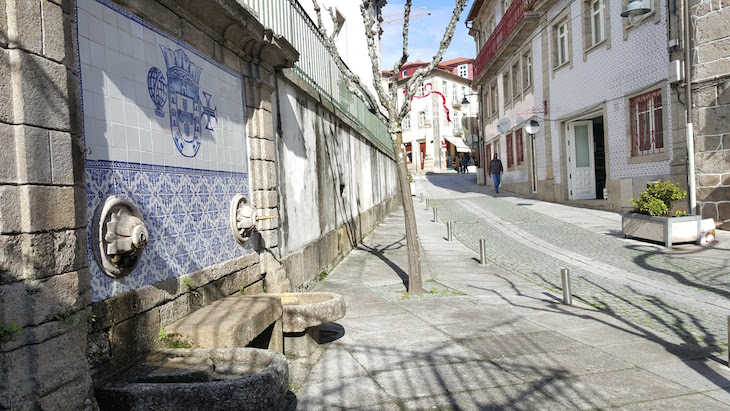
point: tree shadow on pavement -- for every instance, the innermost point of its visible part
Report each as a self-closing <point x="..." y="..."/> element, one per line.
<point x="715" y="274"/>
<point x="380" y="251"/>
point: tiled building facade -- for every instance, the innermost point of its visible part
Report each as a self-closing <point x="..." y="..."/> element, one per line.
<point x="600" y="88"/>
<point x="438" y="127"/>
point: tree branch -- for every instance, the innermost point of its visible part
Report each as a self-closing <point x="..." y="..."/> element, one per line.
<point x="371" y="30"/>
<point x="415" y="80"/>
<point x="350" y="77"/>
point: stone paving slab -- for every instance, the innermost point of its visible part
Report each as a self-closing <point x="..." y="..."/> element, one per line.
<point x="610" y="388"/>
<point x="521" y="397"/>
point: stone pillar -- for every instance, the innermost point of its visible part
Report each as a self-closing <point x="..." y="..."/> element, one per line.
<point x="44" y="275"/>
<point x="259" y="95"/>
<point x="711" y="97"/>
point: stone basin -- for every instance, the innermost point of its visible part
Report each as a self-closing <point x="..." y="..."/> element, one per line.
<point x="196" y="379"/>
<point x="303" y="314"/>
<point x="306" y="310"/>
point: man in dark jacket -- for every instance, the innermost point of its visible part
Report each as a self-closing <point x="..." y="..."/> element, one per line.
<point x="495" y="170"/>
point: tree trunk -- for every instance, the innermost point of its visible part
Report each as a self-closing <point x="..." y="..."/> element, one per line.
<point x="413" y="244"/>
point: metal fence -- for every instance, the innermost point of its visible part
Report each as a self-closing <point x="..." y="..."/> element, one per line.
<point x="316" y="66"/>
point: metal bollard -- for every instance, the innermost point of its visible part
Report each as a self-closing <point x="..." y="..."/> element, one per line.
<point x="426" y="205"/>
<point x="449" y="231"/>
<point x="567" y="293"/>
<point x="421" y="197"/>
<point x="483" y="251"/>
<point x="435" y="215"/>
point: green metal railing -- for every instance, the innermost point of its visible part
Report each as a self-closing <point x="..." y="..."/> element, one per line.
<point x="316" y="66"/>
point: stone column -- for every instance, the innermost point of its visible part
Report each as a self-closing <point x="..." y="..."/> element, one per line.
<point x="711" y="97"/>
<point x="259" y="95"/>
<point x="44" y="276"/>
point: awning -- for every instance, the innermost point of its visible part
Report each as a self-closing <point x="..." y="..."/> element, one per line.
<point x="461" y="147"/>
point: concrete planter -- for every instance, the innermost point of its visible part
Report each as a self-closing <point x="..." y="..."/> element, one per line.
<point x="667" y="230"/>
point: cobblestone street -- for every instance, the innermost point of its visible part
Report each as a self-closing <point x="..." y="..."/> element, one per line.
<point x="672" y="292"/>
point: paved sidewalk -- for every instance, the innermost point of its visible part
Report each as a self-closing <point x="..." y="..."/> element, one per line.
<point x="489" y="337"/>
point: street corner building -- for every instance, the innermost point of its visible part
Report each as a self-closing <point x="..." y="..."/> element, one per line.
<point x="608" y="95"/>
<point x="161" y="156"/>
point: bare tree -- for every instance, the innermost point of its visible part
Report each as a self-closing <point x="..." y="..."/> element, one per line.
<point x="389" y="102"/>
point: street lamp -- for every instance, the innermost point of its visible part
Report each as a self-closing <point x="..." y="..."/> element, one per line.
<point x="635" y="11"/>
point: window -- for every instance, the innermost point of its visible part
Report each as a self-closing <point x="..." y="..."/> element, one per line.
<point x="506" y="87"/>
<point x="527" y="69"/>
<point x="453" y="91"/>
<point x="495" y="99"/>
<point x="647" y="124"/>
<point x="598" y="20"/>
<point x="510" y="154"/>
<point x="423" y="120"/>
<point x="404" y="74"/>
<point x="561" y="33"/>
<point x="519" y="147"/>
<point x="407" y="122"/>
<point x="464" y="71"/>
<point x="463" y="93"/>
<point x="421" y="89"/>
<point x="445" y="88"/>
<point x="516" y="80"/>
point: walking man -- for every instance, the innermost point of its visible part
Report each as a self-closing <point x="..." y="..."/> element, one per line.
<point x="495" y="170"/>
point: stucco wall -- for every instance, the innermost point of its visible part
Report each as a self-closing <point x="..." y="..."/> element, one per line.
<point x="329" y="177"/>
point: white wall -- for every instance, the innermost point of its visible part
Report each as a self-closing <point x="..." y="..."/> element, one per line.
<point x="318" y="157"/>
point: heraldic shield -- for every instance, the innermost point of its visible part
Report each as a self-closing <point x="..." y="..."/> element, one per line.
<point x="183" y="85"/>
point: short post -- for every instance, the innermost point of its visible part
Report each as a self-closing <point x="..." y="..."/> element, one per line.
<point x="426" y="205"/>
<point x="421" y="197"/>
<point x="567" y="294"/>
<point x="435" y="215"/>
<point x="448" y="231"/>
<point x="482" y="251"/>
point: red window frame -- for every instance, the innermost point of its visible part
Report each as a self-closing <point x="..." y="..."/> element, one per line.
<point x="519" y="145"/>
<point x="647" y="123"/>
<point x="510" y="153"/>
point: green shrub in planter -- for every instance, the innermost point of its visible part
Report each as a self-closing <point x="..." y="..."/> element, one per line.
<point x="658" y="198"/>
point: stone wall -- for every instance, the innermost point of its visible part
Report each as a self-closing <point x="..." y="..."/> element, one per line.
<point x="44" y="272"/>
<point x="711" y="116"/>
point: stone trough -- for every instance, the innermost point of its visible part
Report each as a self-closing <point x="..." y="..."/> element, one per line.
<point x="196" y="379"/>
<point x="303" y="314"/>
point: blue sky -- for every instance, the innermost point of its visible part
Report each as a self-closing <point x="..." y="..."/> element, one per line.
<point x="425" y="33"/>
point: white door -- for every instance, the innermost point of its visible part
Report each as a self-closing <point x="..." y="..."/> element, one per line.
<point x="581" y="174"/>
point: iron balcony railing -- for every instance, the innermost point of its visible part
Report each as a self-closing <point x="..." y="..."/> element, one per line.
<point x="511" y="19"/>
<point x="316" y="66"/>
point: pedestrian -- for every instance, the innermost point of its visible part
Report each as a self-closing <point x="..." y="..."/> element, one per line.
<point x="495" y="170"/>
<point x="456" y="164"/>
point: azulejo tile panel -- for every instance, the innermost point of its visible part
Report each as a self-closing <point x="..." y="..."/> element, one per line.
<point x="186" y="214"/>
<point x="165" y="129"/>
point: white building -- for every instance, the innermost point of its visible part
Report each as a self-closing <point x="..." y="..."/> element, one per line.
<point x="439" y="125"/>
<point x="597" y="85"/>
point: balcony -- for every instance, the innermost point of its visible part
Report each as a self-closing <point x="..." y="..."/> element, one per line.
<point x="514" y="28"/>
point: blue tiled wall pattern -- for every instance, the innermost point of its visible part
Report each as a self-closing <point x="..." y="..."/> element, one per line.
<point x="183" y="193"/>
<point x="186" y="213"/>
